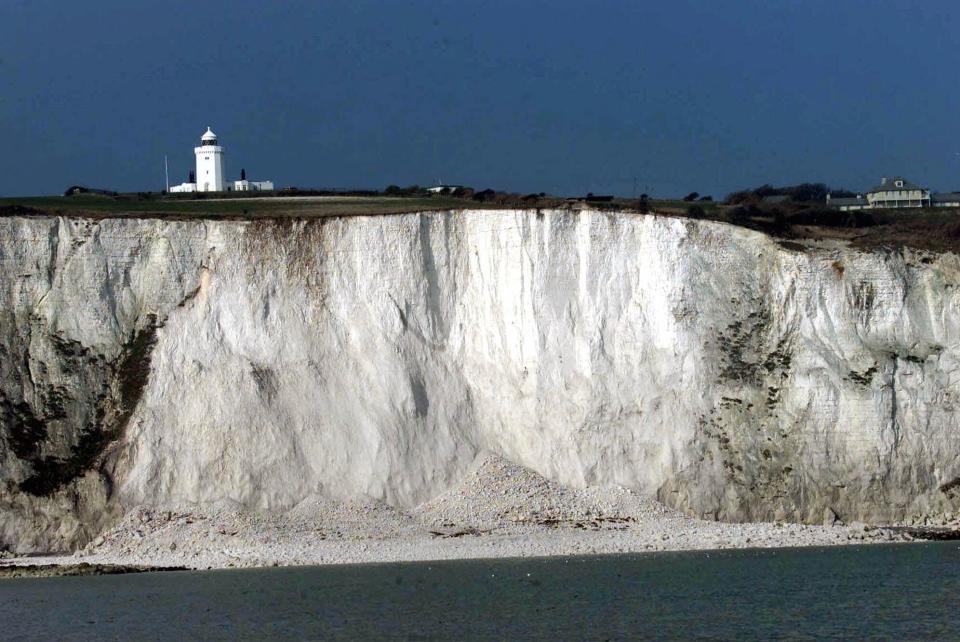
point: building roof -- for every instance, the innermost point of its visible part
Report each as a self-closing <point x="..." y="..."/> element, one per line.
<point x="890" y="185"/>
<point x="846" y="201"/>
<point x="209" y="135"/>
<point x="945" y="197"/>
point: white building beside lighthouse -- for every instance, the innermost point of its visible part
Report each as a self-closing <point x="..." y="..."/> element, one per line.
<point x="210" y="175"/>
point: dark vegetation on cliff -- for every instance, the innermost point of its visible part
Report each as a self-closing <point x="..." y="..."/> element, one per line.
<point x="119" y="385"/>
<point x="934" y="229"/>
<point x="793" y="220"/>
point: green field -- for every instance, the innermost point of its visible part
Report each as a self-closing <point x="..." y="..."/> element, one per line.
<point x="236" y="206"/>
<point x="276" y="206"/>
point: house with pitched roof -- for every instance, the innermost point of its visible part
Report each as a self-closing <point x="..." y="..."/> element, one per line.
<point x="895" y="193"/>
<point x="898" y="192"/>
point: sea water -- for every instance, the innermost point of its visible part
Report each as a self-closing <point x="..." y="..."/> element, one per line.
<point x="883" y="592"/>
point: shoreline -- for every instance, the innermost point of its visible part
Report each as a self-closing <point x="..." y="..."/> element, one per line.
<point x="206" y="543"/>
<point x="70" y="565"/>
<point x="497" y="510"/>
<point x="20" y="571"/>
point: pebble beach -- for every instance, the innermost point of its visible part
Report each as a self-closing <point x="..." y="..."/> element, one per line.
<point x="497" y="510"/>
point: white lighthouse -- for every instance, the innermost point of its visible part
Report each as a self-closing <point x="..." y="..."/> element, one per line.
<point x="209" y="176"/>
<point x="209" y="164"/>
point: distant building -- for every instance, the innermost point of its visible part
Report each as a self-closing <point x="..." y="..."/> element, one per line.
<point x="845" y="204"/>
<point x="189" y="186"/>
<point x="210" y="174"/>
<point x="776" y="199"/>
<point x="443" y="189"/>
<point x="82" y="189"/>
<point x="895" y="193"/>
<point x="949" y="199"/>
<point x="898" y="192"/>
<point x="253" y="186"/>
<point x="243" y="185"/>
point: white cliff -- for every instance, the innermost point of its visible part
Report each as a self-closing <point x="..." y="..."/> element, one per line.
<point x="252" y="364"/>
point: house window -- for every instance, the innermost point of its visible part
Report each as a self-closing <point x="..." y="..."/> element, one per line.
<point x="899" y="183"/>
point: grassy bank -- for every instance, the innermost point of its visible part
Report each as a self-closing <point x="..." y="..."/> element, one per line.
<point x="97" y="205"/>
<point x="253" y="206"/>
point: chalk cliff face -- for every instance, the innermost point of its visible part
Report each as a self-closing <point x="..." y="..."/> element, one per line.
<point x="253" y="363"/>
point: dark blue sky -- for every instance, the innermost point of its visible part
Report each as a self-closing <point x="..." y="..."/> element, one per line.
<point x="562" y="97"/>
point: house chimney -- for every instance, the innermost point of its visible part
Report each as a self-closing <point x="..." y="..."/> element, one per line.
<point x="243" y="174"/>
<point x="883" y="181"/>
<point x="192" y="178"/>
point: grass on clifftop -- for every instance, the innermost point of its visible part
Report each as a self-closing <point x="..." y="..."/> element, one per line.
<point x="250" y="207"/>
<point x="270" y="206"/>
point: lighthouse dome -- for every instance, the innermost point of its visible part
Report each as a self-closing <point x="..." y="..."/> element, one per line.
<point x="209" y="135"/>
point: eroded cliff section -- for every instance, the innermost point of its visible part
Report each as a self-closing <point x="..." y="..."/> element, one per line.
<point x="251" y="364"/>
